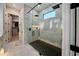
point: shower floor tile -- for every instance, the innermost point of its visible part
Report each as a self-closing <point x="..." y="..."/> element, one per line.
<point x="46" y="49"/>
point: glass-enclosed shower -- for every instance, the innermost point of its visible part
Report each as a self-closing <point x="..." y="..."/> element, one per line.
<point x="44" y="25"/>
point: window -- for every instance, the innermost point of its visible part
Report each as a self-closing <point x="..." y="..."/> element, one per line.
<point x="49" y="14"/>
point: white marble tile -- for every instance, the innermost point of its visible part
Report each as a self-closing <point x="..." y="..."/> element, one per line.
<point x="17" y="48"/>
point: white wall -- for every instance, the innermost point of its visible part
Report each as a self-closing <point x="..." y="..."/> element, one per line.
<point x="21" y="25"/>
<point x="66" y="22"/>
<point x="1" y="19"/>
<point x="1" y="25"/>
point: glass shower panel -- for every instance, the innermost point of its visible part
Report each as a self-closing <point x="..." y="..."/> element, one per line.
<point x="51" y="29"/>
<point x="27" y="28"/>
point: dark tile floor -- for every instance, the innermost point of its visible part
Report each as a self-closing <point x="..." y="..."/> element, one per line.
<point x="46" y="49"/>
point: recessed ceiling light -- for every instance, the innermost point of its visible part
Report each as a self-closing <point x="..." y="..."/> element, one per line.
<point x="38" y="6"/>
<point x="14" y="5"/>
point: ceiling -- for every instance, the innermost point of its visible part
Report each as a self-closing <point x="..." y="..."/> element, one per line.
<point x="42" y="6"/>
<point x="16" y="6"/>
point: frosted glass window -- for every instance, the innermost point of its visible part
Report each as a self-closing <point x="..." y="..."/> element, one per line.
<point x="49" y="15"/>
